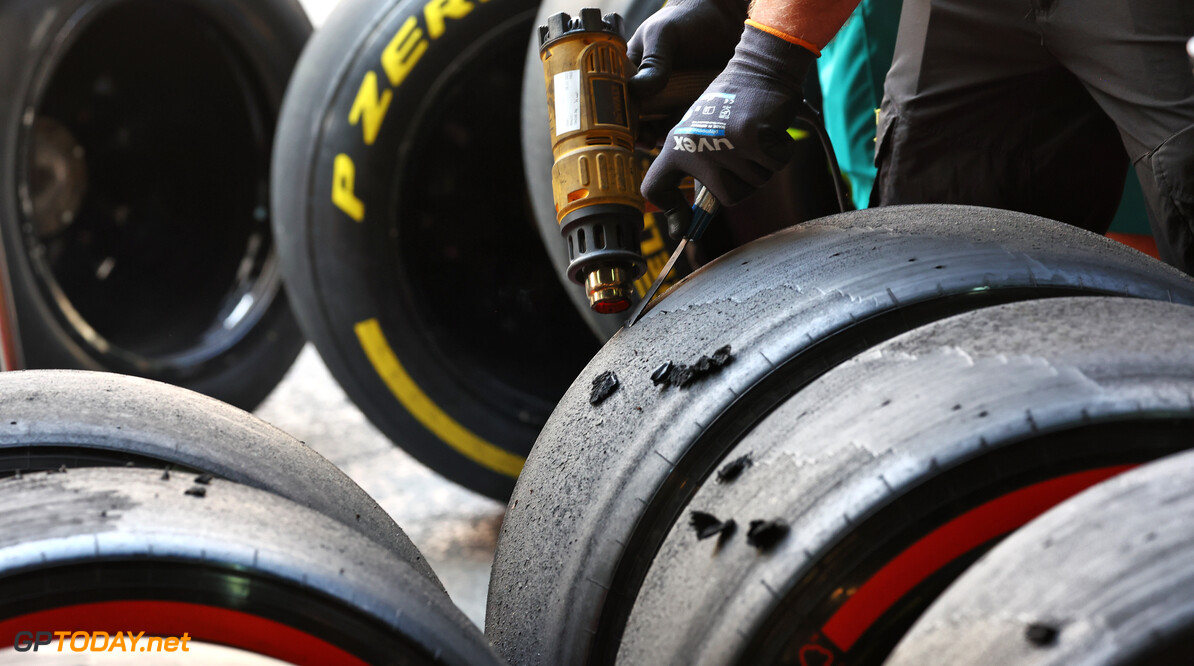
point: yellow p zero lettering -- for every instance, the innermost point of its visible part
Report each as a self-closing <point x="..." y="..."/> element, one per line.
<point x="437" y="10"/>
<point x="654" y="243"/>
<point x="403" y="52"/>
<point x="344" y="177"/>
<point x="370" y="107"/>
<point x="381" y="355"/>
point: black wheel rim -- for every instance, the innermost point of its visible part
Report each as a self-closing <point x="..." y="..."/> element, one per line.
<point x="144" y="187"/>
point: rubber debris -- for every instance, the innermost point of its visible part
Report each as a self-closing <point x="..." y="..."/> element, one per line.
<point x="681" y="375"/>
<point x="204" y="479"/>
<point x="733" y="469"/>
<point x="604" y="386"/>
<point x="661" y="373"/>
<point x="707" y="525"/>
<point x="196" y="491"/>
<point x="764" y="534"/>
<point x="1041" y="635"/>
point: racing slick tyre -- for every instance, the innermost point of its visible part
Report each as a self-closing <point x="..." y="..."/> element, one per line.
<point x="1103" y="578"/>
<point x="119" y="550"/>
<point x="874" y="487"/>
<point x="135" y="140"/>
<point x="791" y="306"/>
<point x="405" y="235"/>
<point x="69" y="419"/>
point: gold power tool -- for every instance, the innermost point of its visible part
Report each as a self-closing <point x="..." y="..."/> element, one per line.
<point x="595" y="177"/>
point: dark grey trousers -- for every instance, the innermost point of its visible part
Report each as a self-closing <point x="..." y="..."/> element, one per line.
<point x="1039" y="105"/>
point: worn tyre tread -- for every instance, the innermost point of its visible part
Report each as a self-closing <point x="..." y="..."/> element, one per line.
<point x="111" y="417"/>
<point x="1105" y="577"/>
<point x="95" y="516"/>
<point x="840" y="463"/>
<point x="842" y="284"/>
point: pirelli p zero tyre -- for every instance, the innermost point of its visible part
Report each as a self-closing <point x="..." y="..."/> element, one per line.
<point x="67" y="419"/>
<point x="1103" y="578"/>
<point x="114" y="551"/>
<point x="408" y="246"/>
<point x="873" y="488"/>
<point x="135" y="142"/>
<point x="605" y="483"/>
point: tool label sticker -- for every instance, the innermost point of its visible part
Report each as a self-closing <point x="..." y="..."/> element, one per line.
<point x="567" y="93"/>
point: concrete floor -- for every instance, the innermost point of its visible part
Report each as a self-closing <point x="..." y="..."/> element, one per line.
<point x="456" y="529"/>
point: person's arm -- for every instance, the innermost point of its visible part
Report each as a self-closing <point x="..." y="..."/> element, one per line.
<point x="698" y="34"/>
<point x="811" y="21"/>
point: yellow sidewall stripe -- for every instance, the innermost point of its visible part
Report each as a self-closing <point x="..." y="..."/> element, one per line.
<point x="390" y="369"/>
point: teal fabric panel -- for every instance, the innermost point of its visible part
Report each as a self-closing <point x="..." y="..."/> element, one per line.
<point x="1132" y="216"/>
<point x="852" y="68"/>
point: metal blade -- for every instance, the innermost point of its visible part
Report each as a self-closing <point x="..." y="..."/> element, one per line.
<point x="667" y="270"/>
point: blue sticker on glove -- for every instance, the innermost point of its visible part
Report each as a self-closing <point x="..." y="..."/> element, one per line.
<point x="708" y="116"/>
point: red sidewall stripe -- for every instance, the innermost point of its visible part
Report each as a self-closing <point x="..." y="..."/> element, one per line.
<point x="948" y="542"/>
<point x="173" y="618"/>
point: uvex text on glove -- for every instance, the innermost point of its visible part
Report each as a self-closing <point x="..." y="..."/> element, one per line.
<point x="595" y="178"/>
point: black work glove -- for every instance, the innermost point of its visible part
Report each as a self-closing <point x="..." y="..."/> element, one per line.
<point x="693" y="34"/>
<point x="735" y="136"/>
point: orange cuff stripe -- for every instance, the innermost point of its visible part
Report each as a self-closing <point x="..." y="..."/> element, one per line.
<point x="785" y="36"/>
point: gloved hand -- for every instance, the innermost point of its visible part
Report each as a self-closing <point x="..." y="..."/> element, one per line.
<point x="735" y="137"/>
<point x="695" y="34"/>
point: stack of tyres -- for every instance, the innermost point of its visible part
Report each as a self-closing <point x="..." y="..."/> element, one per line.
<point x="240" y="539"/>
<point x="1014" y="386"/>
<point x="406" y="237"/>
<point x="954" y="435"/>
<point x="135" y="140"/>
